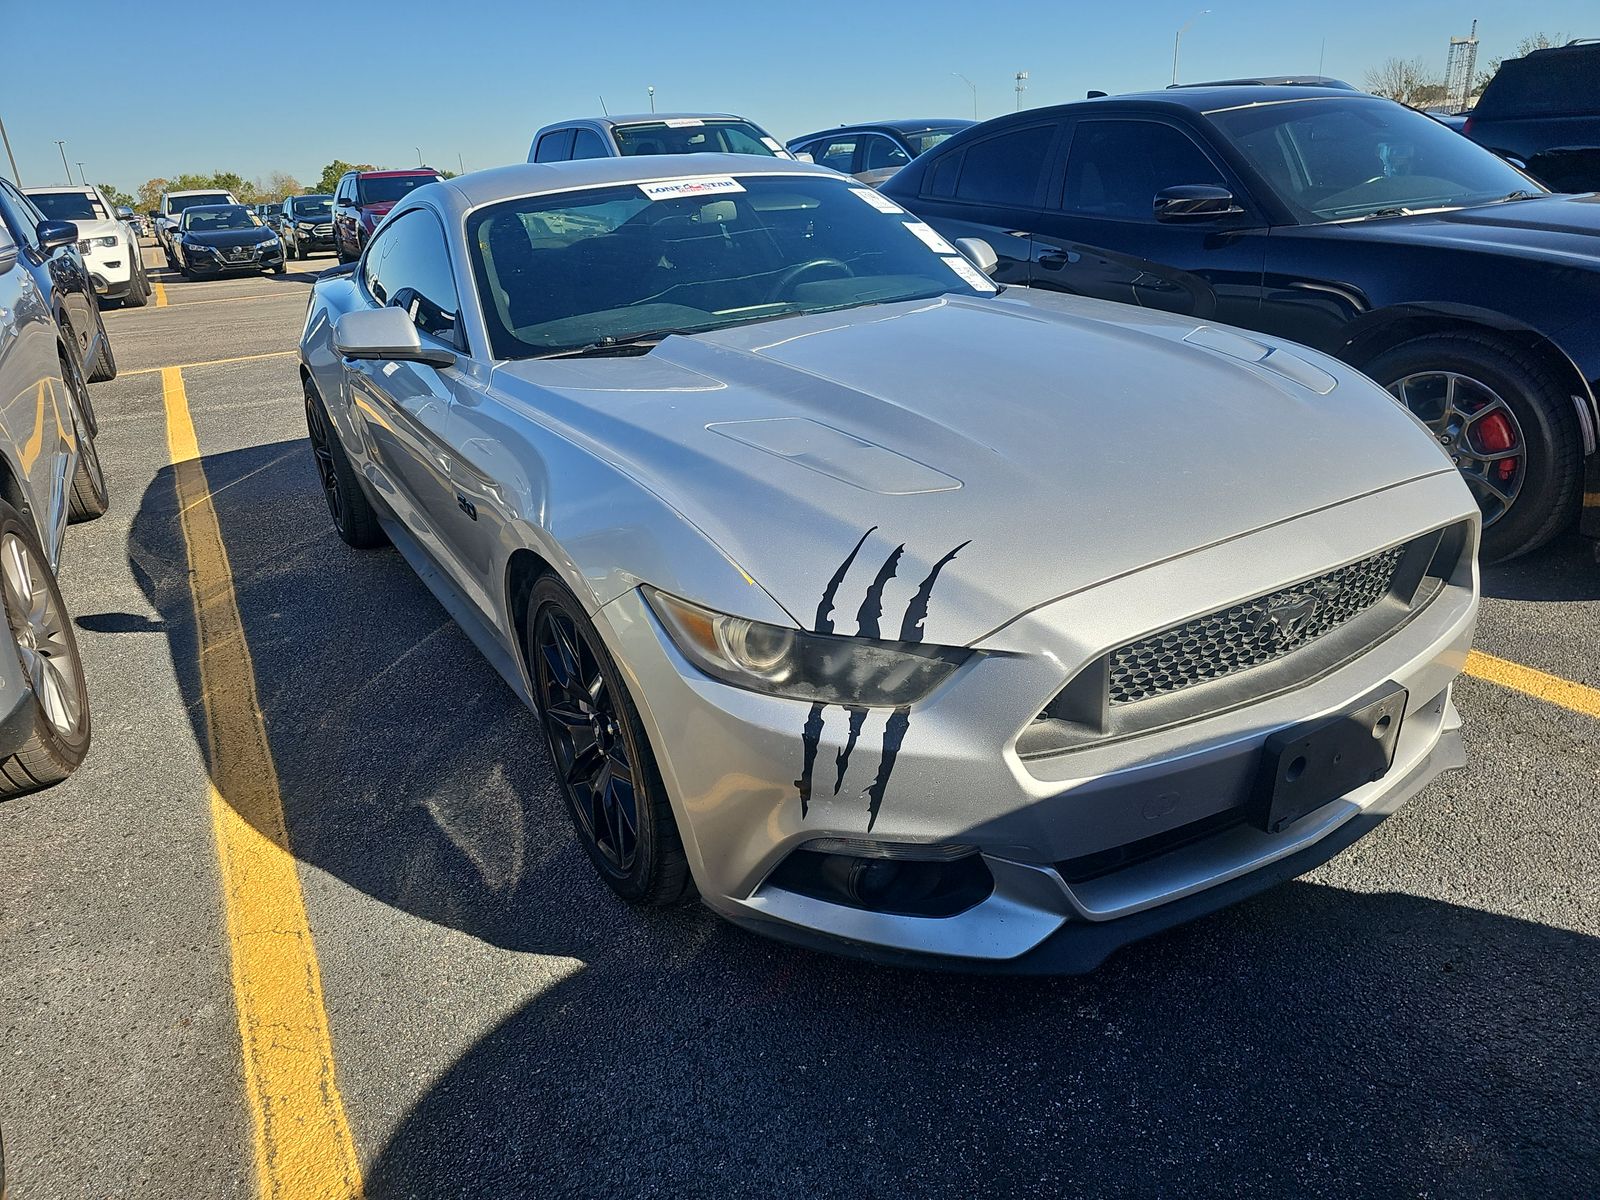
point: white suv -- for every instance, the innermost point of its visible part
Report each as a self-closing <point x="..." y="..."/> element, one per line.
<point x="108" y="244"/>
<point x="172" y="206"/>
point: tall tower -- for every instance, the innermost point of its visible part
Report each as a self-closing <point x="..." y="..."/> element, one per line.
<point x="1460" y="70"/>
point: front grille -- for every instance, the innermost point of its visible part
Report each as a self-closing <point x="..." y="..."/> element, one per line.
<point x="1249" y="634"/>
<point x="239" y="253"/>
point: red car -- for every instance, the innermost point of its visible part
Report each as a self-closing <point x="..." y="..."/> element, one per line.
<point x="364" y="198"/>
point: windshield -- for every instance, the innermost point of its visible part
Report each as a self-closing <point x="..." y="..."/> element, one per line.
<point x="386" y="189"/>
<point x="68" y="206"/>
<point x="584" y="268"/>
<point x="176" y="204"/>
<point x="313" y="206"/>
<point x="1333" y="159"/>
<point x="228" y="216"/>
<point x="927" y="139"/>
<point x="691" y="135"/>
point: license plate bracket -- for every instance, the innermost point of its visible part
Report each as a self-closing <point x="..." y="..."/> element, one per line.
<point x="1309" y="765"/>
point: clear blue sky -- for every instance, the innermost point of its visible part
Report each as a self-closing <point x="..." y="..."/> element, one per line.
<point x="140" y="90"/>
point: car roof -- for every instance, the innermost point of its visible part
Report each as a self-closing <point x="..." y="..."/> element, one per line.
<point x="1199" y="100"/>
<point x="211" y="191"/>
<point x="656" y="118"/>
<point x="466" y="192"/>
<point x="1295" y="81"/>
<point x="387" y="174"/>
<point x="898" y="124"/>
<point x="61" y="187"/>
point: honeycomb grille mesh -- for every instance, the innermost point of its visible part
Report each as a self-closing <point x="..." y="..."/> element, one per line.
<point x="1249" y="634"/>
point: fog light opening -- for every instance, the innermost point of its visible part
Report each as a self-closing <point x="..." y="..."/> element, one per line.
<point x="904" y="880"/>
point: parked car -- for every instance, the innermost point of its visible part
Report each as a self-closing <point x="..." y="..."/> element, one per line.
<point x="131" y="219"/>
<point x="1352" y="224"/>
<point x="873" y="152"/>
<point x="49" y="253"/>
<point x="49" y="474"/>
<point x="735" y="471"/>
<point x="108" y="244"/>
<point x="1543" y="110"/>
<point x="306" y="224"/>
<point x="213" y="239"/>
<point x="172" y="206"/>
<point x="364" y="198"/>
<point x="268" y="214"/>
<point x="651" y="133"/>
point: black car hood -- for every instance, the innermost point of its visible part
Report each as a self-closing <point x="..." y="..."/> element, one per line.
<point x="1567" y="227"/>
<point x="228" y="237"/>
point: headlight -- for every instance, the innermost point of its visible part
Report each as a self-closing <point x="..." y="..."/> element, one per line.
<point x="307" y="226"/>
<point x="84" y="246"/>
<point x="825" y="668"/>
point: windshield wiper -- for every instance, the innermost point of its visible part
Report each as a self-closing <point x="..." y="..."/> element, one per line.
<point x="1386" y="212"/>
<point x="634" y="343"/>
<point x="1519" y="194"/>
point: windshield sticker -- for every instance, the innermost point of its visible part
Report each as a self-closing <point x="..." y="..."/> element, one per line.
<point x="704" y="185"/>
<point x="970" y="275"/>
<point x="878" y="201"/>
<point x="930" y="239"/>
<point x="771" y="143"/>
<point x="683" y="122"/>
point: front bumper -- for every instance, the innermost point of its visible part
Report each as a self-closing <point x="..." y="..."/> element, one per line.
<point x="730" y="760"/>
<point x="205" y="262"/>
<point x="111" y="270"/>
<point x="318" y="239"/>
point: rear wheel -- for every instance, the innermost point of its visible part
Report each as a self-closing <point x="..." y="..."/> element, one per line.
<point x="601" y="753"/>
<point x="1505" y="420"/>
<point x="89" y="497"/>
<point x="47" y="652"/>
<point x="105" y="363"/>
<point x="354" y="519"/>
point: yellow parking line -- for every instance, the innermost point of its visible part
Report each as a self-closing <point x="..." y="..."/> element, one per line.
<point x="1552" y="689"/>
<point x="304" y="1150"/>
<point x="289" y="291"/>
<point x="161" y="293"/>
<point x="210" y="362"/>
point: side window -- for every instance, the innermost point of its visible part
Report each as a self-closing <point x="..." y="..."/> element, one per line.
<point x="347" y="187"/>
<point x="1115" y="168"/>
<point x="943" y="173"/>
<point x="1006" y="169"/>
<point x="372" y="260"/>
<point x="555" y="146"/>
<point x="586" y="143"/>
<point x="879" y="153"/>
<point x="415" y="275"/>
<point x="838" y="153"/>
<point x="18" y="216"/>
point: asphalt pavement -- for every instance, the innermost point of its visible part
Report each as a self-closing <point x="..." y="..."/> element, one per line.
<point x="1419" y="1017"/>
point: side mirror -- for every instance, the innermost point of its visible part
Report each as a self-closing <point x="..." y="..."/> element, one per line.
<point x="385" y="333"/>
<point x="8" y="255"/>
<point x="55" y="234"/>
<point x="805" y="156"/>
<point x="1194" y="202"/>
<point x="124" y="213"/>
<point x="980" y="252"/>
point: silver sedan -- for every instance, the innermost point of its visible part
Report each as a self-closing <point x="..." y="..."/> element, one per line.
<point x="891" y="611"/>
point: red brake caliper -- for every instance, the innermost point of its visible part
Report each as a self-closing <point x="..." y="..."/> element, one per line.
<point x="1493" y="435"/>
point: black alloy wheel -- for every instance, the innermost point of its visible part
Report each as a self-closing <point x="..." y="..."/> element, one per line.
<point x="601" y="753"/>
<point x="354" y="519"/>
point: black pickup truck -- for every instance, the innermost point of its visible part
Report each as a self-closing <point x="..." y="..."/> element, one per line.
<point x="1543" y="110"/>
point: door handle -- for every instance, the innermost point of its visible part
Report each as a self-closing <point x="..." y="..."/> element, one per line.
<point x="1056" y="259"/>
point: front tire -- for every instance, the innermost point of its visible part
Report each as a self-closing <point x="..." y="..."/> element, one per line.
<point x="47" y="650"/>
<point x="89" y="497"/>
<point x="354" y="518"/>
<point x="607" y="773"/>
<point x="1506" y="419"/>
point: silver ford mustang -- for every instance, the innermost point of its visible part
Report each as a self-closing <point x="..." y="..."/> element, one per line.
<point x="891" y="611"/>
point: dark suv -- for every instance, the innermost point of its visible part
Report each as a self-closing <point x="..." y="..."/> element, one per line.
<point x="1543" y="110"/>
<point x="364" y="198"/>
<point x="306" y="224"/>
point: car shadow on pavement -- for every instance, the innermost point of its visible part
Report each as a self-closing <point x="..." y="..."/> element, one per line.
<point x="1312" y="1041"/>
<point x="1565" y="570"/>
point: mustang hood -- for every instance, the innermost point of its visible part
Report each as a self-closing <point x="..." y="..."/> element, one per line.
<point x="1056" y="442"/>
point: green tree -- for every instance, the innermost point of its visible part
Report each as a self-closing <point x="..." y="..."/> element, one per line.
<point x="331" y="173"/>
<point x="115" y="195"/>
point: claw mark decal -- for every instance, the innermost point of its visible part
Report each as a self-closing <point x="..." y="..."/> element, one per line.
<point x="868" y="617"/>
<point x="813" y="730"/>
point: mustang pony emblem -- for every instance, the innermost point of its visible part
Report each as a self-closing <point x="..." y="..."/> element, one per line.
<point x="868" y="618"/>
<point x="1287" y="616"/>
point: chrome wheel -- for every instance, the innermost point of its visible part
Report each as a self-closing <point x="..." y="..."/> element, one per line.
<point x="40" y="628"/>
<point x="586" y="736"/>
<point x="322" y="452"/>
<point x="1477" y="428"/>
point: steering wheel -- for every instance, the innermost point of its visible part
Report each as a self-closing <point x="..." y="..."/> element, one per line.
<point x="789" y="276"/>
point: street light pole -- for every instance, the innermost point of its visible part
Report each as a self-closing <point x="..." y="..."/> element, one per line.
<point x="418" y="149"/>
<point x="4" y="137"/>
<point x="974" y="88"/>
<point x="82" y="178"/>
<point x="62" y="146"/>
<point x="1178" y="38"/>
<point x="652" y="90"/>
